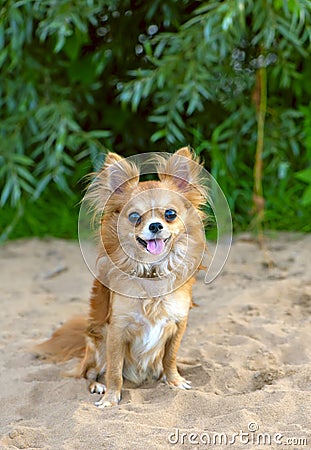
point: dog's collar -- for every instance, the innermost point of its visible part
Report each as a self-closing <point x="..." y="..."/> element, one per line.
<point x="147" y="273"/>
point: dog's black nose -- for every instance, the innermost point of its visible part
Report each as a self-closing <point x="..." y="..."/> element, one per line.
<point x="155" y="227"/>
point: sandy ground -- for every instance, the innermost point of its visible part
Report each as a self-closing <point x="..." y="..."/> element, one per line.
<point x="247" y="351"/>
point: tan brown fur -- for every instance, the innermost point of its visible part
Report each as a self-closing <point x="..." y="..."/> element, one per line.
<point x="138" y="337"/>
<point x="66" y="342"/>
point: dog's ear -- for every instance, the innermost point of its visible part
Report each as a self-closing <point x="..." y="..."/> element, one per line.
<point x="182" y="168"/>
<point x="186" y="152"/>
<point x="183" y="171"/>
<point x="115" y="176"/>
<point x="119" y="173"/>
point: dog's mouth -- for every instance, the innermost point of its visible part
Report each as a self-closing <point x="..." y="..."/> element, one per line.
<point x="154" y="246"/>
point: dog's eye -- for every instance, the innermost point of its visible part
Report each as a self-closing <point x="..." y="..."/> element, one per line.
<point x="135" y="218"/>
<point x="170" y="215"/>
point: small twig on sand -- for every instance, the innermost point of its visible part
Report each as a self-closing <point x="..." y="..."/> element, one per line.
<point x="55" y="272"/>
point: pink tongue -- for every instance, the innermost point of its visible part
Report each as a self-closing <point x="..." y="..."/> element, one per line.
<point x="155" y="246"/>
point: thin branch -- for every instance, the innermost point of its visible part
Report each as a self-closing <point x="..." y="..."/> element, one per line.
<point x="258" y="199"/>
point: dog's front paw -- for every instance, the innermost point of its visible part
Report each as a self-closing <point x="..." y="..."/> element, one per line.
<point x="97" y="388"/>
<point x="177" y="381"/>
<point x="111" y="398"/>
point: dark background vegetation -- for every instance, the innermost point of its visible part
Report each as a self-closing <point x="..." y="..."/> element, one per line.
<point x="78" y="77"/>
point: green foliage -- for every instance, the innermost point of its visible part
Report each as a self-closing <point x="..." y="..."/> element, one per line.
<point x="214" y="56"/>
<point x="305" y="174"/>
<point x="42" y="131"/>
<point x="203" y="88"/>
<point x="78" y="77"/>
<point x="53" y="214"/>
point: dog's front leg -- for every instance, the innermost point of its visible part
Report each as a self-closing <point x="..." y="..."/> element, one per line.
<point x="170" y="372"/>
<point x="115" y="351"/>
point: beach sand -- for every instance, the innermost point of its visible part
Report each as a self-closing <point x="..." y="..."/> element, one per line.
<point x="247" y="352"/>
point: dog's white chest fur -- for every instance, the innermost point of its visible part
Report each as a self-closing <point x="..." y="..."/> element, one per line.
<point x="146" y="347"/>
<point x="149" y="334"/>
<point x="147" y="328"/>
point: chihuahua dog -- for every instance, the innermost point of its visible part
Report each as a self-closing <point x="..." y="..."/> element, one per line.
<point x="151" y="244"/>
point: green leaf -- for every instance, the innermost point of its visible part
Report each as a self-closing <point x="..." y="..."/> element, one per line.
<point x="137" y="94"/>
<point x="304" y="175"/>
<point x="98" y="134"/>
<point x="6" y="192"/>
<point x="22" y="159"/>
<point x="160" y="134"/>
<point x="306" y="198"/>
<point x="41" y="186"/>
<point x="24" y="173"/>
